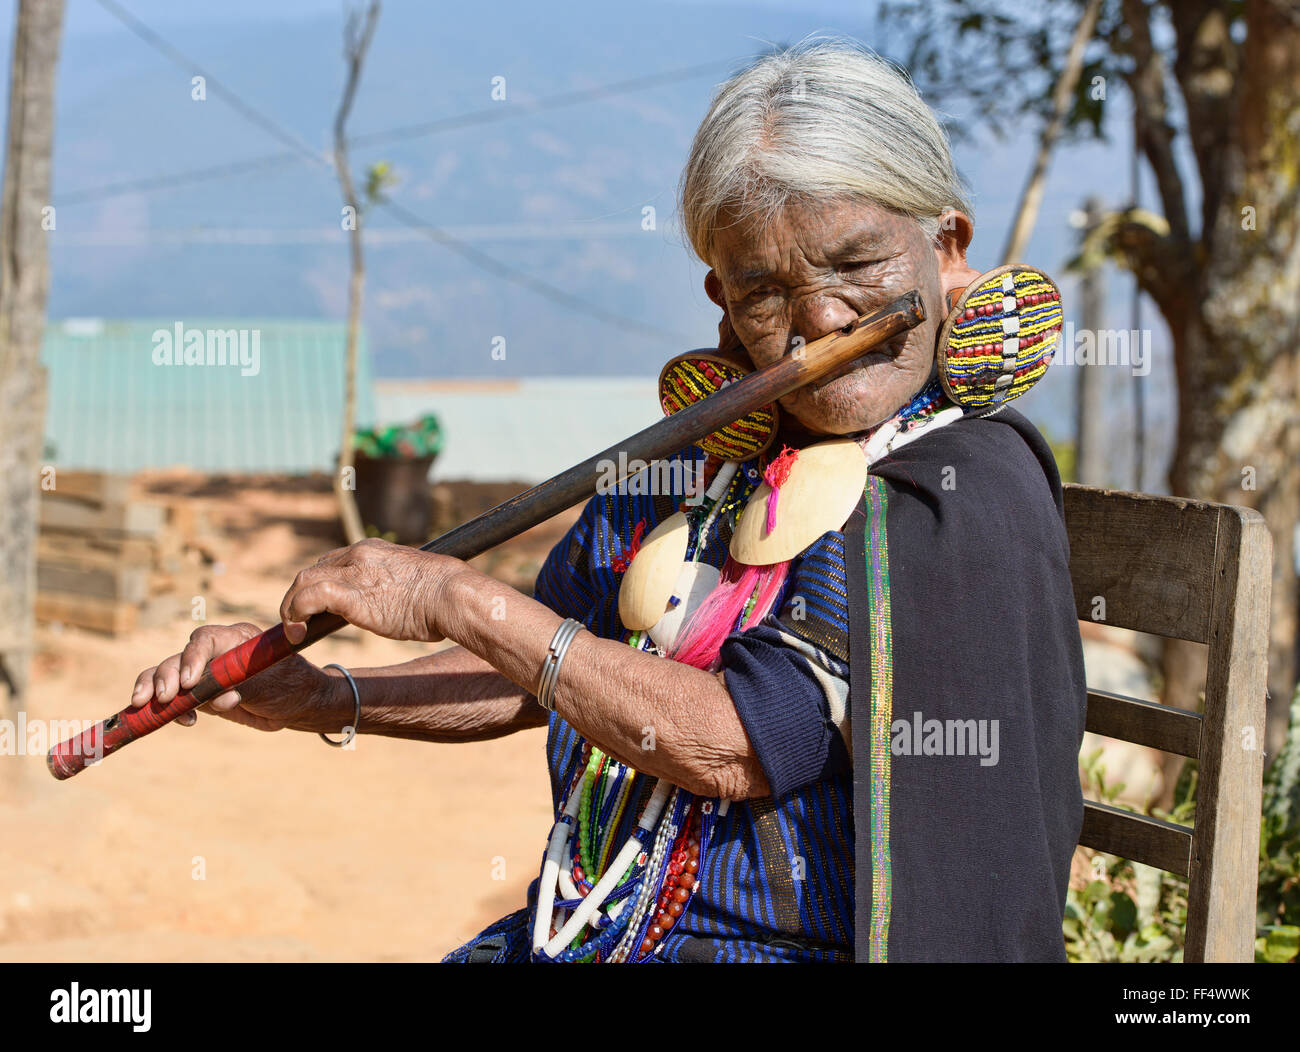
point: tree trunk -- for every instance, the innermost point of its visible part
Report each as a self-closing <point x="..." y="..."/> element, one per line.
<point x="25" y="216"/>
<point x="1237" y="353"/>
<point x="1090" y="429"/>
<point x="345" y="476"/>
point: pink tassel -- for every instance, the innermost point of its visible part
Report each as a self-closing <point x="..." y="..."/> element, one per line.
<point x="700" y="641"/>
<point x="775" y="476"/>
<point x="769" y="588"/>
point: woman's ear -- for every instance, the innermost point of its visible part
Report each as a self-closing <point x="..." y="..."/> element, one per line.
<point x="713" y="289"/>
<point x="950" y="244"/>
<point x="729" y="345"/>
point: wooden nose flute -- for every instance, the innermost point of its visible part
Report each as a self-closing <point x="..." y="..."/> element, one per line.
<point x="821" y="359"/>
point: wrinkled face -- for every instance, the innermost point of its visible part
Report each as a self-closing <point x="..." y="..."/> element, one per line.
<point x="814" y="269"/>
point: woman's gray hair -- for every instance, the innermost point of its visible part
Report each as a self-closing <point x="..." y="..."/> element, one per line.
<point x="824" y="119"/>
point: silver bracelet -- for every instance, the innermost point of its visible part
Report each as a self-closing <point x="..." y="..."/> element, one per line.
<point x="551" y="666"/>
<point x="349" y="732"/>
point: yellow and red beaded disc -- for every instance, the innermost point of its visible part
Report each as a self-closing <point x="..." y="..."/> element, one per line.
<point x="695" y="375"/>
<point x="1000" y="337"/>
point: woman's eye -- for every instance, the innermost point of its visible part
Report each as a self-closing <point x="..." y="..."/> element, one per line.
<point x="860" y="264"/>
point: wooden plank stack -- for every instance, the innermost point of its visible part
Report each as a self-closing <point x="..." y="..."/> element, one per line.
<point x="112" y="562"/>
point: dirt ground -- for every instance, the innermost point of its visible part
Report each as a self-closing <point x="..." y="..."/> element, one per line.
<point x="220" y="843"/>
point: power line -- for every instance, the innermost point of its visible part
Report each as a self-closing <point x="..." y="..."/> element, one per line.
<point x="503" y="270"/>
<point x="247" y="111"/>
<point x="467" y="252"/>
<point x="552" y="102"/>
<point x="163" y="182"/>
<point x="410" y="131"/>
<point x="375" y="236"/>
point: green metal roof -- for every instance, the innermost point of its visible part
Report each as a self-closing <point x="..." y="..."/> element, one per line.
<point x="115" y="405"/>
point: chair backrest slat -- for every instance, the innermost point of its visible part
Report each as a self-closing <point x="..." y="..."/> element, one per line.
<point x="1203" y="572"/>
<point x="1144" y="723"/>
<point x="1150" y="561"/>
<point x="1137" y="837"/>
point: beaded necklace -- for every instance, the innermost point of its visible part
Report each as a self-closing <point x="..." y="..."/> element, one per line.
<point x="588" y="916"/>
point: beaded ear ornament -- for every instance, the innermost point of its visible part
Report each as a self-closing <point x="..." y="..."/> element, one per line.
<point x="999" y="337"/>
<point x="697" y="374"/>
<point x="664" y="579"/>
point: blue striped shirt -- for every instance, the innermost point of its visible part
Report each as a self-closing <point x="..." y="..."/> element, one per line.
<point x="776" y="878"/>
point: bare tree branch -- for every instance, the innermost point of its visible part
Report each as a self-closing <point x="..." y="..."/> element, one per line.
<point x="1158" y="261"/>
<point x="1206" y="65"/>
<point x="1032" y="196"/>
<point x="357" y="34"/>
<point x="1146" y="81"/>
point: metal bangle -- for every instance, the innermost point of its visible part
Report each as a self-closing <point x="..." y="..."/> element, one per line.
<point x="551" y="666"/>
<point x="348" y="732"/>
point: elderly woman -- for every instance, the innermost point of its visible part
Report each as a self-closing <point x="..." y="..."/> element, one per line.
<point x="722" y="804"/>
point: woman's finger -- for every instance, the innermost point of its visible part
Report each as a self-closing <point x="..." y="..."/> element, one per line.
<point x="208" y="642"/>
<point x="167" y="679"/>
<point x="323" y="594"/>
<point x="331" y="558"/>
<point x="225" y="702"/>
<point x="304" y="579"/>
<point x="142" y="692"/>
<point x="197" y="653"/>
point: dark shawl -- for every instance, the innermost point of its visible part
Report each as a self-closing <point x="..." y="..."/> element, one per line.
<point x="961" y="609"/>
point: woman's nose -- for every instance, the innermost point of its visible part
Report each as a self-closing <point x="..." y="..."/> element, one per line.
<point x="815" y="316"/>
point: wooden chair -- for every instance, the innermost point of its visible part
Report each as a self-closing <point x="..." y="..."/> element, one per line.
<point x="1191" y="570"/>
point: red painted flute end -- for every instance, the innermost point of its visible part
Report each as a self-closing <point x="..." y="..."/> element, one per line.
<point x="63" y="762"/>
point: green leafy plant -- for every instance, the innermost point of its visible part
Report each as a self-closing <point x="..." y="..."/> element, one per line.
<point x="380" y="178"/>
<point x="1131" y="912"/>
<point x="1128" y="912"/>
<point x="1278" y="902"/>
<point x="423" y="438"/>
<point x="1064" y="452"/>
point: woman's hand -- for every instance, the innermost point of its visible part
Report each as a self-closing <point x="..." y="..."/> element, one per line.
<point x="293" y="692"/>
<point x="388" y="589"/>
